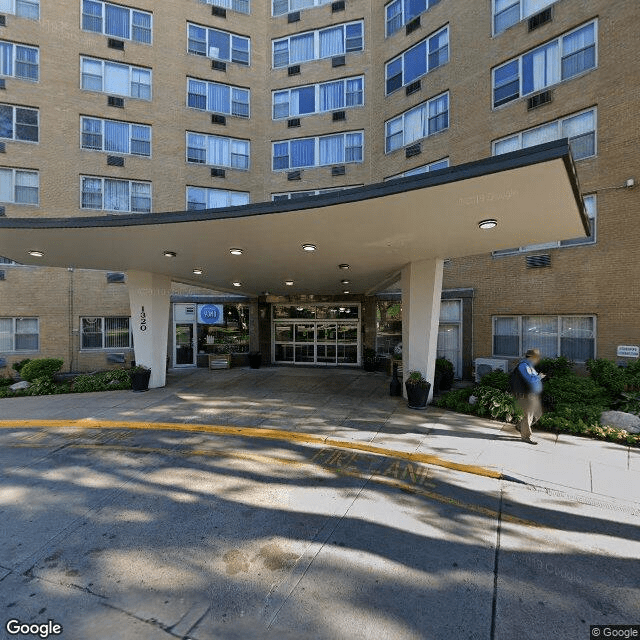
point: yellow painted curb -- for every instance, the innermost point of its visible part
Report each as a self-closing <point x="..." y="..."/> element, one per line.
<point x="255" y="432"/>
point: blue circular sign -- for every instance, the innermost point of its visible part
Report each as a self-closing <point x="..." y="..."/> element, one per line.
<point x="211" y="314"/>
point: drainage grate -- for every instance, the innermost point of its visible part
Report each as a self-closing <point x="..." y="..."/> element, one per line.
<point x="539" y="261"/>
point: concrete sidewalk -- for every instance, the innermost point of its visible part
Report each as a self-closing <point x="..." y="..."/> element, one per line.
<point x="350" y="405"/>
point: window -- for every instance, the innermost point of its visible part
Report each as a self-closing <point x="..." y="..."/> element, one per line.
<point x="19" y="123"/>
<point x="20" y="61"/>
<point x="116" y="21"/>
<point x="19" y="334"/>
<point x="218" y="45"/>
<point x="241" y="6"/>
<point x="553" y="62"/>
<point x="322" y="43"/>
<point x="506" y="13"/>
<point x="318" y="98"/>
<point x="425" y="168"/>
<point x="115" y="79"/>
<point x="21" y="8"/>
<point x="399" y="12"/>
<point x="573" y="337"/>
<point x="280" y="7"/>
<point x="579" y="128"/>
<point x="122" y="196"/>
<point x="18" y="186"/>
<point x="420" y="122"/>
<point x="115" y="137"/>
<point x="218" y="98"/>
<point x="105" y="333"/>
<point x="294" y="195"/>
<point x="218" y="151"/>
<point x="317" y="152"/>
<point x="592" y="216"/>
<point x="427" y="55"/>
<point x="204" y="198"/>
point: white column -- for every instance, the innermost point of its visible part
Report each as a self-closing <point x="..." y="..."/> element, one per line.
<point x="149" y="295"/>
<point x="421" y="292"/>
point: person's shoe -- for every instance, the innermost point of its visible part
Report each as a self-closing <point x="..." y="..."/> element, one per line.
<point x="529" y="441"/>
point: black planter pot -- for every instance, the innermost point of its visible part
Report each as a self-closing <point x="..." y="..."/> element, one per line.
<point x="436" y="383"/>
<point x="140" y="380"/>
<point x="446" y="380"/>
<point x="255" y="360"/>
<point x="417" y="395"/>
<point x="370" y="364"/>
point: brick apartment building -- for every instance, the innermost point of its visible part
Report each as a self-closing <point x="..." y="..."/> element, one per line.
<point x="144" y="107"/>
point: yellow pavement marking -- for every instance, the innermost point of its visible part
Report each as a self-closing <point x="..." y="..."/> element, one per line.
<point x="255" y="432"/>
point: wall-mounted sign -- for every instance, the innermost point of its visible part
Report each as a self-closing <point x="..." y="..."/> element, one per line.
<point x="143" y="320"/>
<point x="628" y="351"/>
<point x="210" y="314"/>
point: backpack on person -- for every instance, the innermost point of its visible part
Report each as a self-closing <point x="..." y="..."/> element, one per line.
<point x="517" y="382"/>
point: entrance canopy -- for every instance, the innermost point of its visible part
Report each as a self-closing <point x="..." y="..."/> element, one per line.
<point x="532" y="195"/>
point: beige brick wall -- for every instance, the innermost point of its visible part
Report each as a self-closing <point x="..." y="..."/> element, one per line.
<point x="603" y="279"/>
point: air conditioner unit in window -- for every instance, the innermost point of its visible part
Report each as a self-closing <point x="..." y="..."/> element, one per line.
<point x="114" y="43"/>
<point x="540" y="18"/>
<point x="294" y="16"/>
<point x="487" y="365"/>
<point x="115" y="161"/>
<point x="338" y="5"/>
<point x="338" y="61"/>
<point x="220" y="12"/>
<point x="3" y="147"/>
<point x="544" y="97"/>
<point x="113" y="101"/>
<point x="3" y="84"/>
<point x="294" y="70"/>
<point x="293" y="122"/>
<point x="216" y="118"/>
<point x="216" y="172"/>
<point x="412" y="26"/>
<point x="217" y="65"/>
<point x="3" y="21"/>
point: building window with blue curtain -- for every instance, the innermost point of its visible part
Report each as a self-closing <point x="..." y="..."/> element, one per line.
<point x="345" y="93"/>
<point x="115" y="79"/>
<point x="425" y="56"/>
<point x="506" y="13"/>
<point x="218" y="45"/>
<point x="422" y="121"/>
<point x="315" y="45"/>
<point x="241" y="6"/>
<point x="399" y="12"/>
<point x="547" y="65"/>
<point x="318" y="151"/>
<point x="114" y="136"/>
<point x="19" y="123"/>
<point x="424" y="168"/>
<point x="218" y="98"/>
<point x="22" y="8"/>
<point x="117" y="21"/>
<point x="218" y="151"/>
<point x="19" y="61"/>
<point x="117" y="196"/>
<point x="199" y="198"/>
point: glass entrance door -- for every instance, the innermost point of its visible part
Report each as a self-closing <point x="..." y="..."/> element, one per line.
<point x="185" y="355"/>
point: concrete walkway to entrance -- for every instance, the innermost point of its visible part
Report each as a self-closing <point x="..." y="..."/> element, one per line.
<point x="353" y="407"/>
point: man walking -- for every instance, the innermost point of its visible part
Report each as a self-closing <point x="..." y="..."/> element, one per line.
<point x="527" y="388"/>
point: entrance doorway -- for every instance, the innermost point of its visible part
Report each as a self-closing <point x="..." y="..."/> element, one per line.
<point x="450" y="334"/>
<point x="316" y="334"/>
<point x="185" y="355"/>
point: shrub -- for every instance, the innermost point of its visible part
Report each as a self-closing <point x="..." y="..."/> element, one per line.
<point x="555" y="367"/>
<point x="416" y="379"/>
<point x="17" y="366"/>
<point x="105" y="381"/>
<point x="457" y="400"/>
<point x="496" y="380"/>
<point x="607" y="374"/>
<point x="574" y="390"/>
<point x="446" y="372"/>
<point x="496" y="404"/>
<point x="41" y="368"/>
<point x="5" y="382"/>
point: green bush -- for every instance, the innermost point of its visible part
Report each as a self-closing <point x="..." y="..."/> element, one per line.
<point x="17" y="366"/>
<point x="628" y="401"/>
<point x="105" y="381"/>
<point x="6" y="382"/>
<point x="457" y="400"/>
<point x="555" y="367"/>
<point x="496" y="404"/>
<point x="41" y="368"/>
<point x="575" y="390"/>
<point x="496" y="380"/>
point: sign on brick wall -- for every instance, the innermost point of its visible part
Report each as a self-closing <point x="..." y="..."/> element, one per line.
<point x="628" y="351"/>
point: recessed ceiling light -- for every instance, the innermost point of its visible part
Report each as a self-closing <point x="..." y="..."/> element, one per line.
<point x="489" y="223"/>
<point x="289" y="283"/>
<point x="299" y="308"/>
<point x="309" y="247"/>
<point x="35" y="253"/>
<point x="237" y="284"/>
<point x="344" y="267"/>
<point x="235" y="252"/>
<point x="170" y="254"/>
<point x="346" y="291"/>
<point x="197" y="272"/>
<point x="345" y="281"/>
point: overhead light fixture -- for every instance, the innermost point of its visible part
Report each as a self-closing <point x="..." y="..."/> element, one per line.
<point x="344" y="267"/>
<point x="489" y="223"/>
<point x="299" y="308"/>
<point x="345" y="281"/>
<point x="346" y="291"/>
<point x="235" y="252"/>
<point x="237" y="284"/>
<point x="170" y="254"/>
<point x="35" y="253"/>
<point x="309" y="247"/>
<point x="197" y="272"/>
<point x="289" y="283"/>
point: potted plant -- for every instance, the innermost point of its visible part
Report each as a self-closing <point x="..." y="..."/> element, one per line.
<point x="417" y="390"/>
<point x="255" y="359"/>
<point x="369" y="359"/>
<point x="444" y="374"/>
<point x="140" y="378"/>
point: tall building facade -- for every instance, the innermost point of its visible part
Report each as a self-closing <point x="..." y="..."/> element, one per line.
<point x="143" y="107"/>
